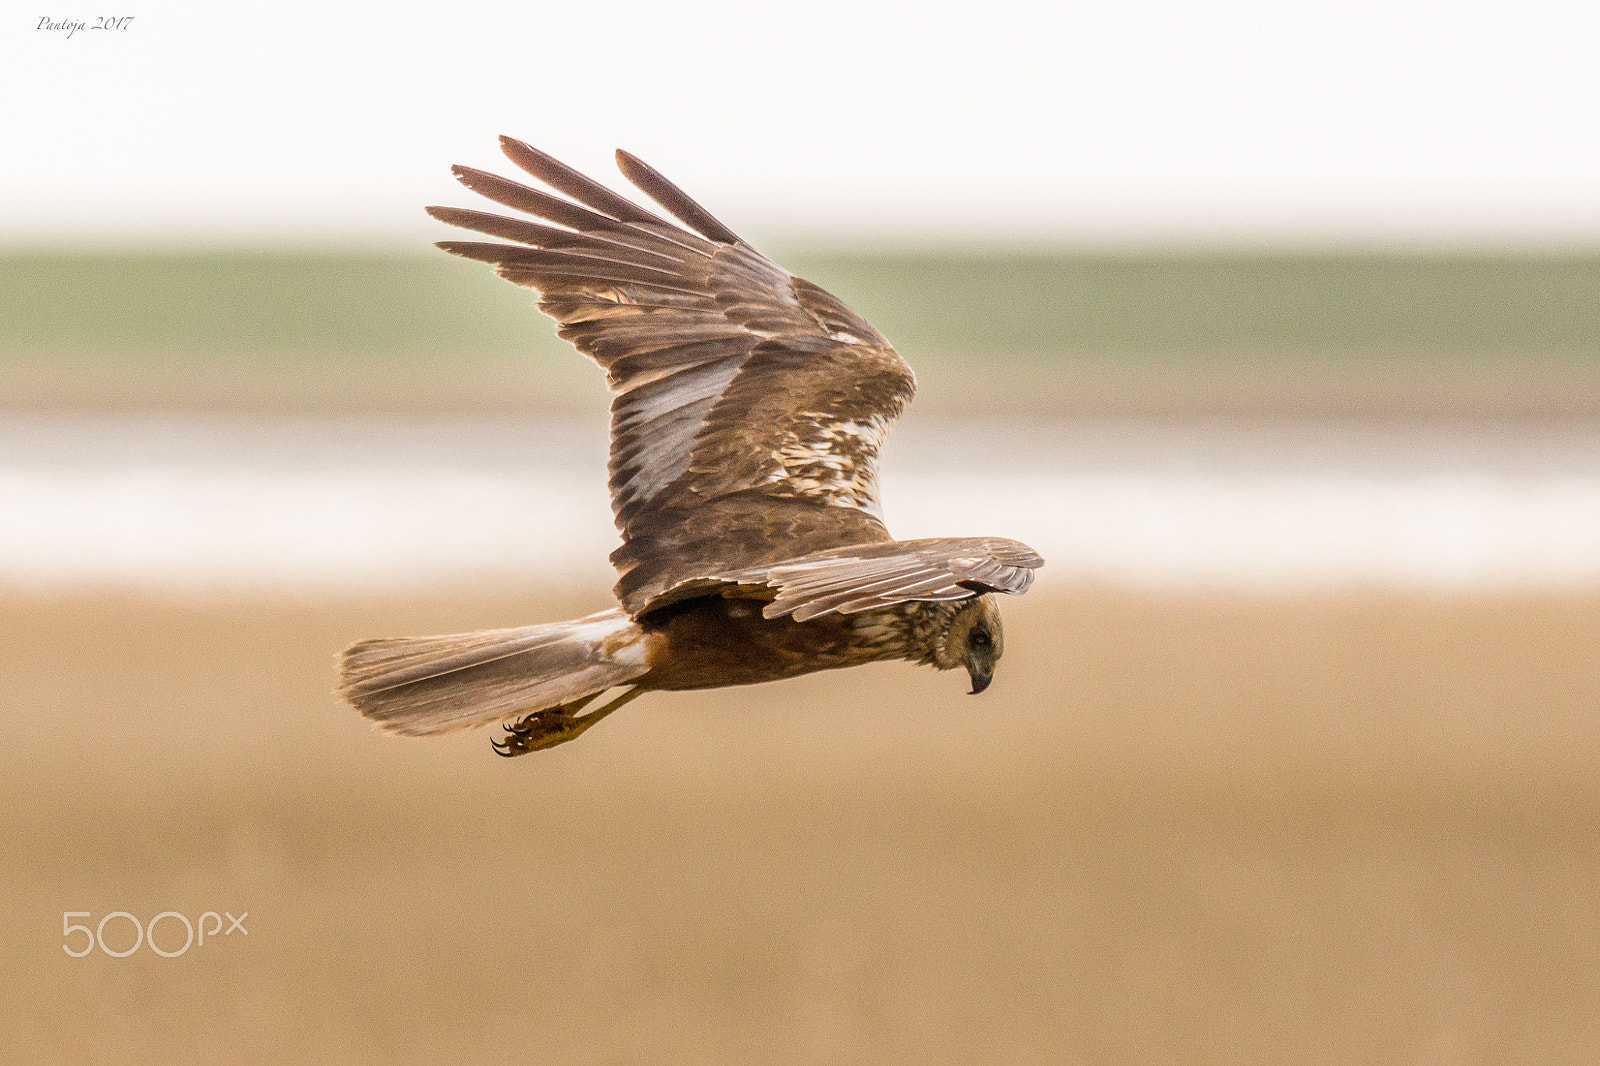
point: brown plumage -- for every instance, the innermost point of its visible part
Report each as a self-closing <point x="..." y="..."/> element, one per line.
<point x="749" y="409"/>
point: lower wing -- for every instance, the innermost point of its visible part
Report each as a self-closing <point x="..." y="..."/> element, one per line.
<point x="868" y="576"/>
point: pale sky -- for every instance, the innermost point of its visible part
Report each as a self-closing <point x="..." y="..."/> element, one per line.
<point x="1288" y="121"/>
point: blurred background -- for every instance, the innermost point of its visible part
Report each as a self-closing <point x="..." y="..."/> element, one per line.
<point x="1275" y="328"/>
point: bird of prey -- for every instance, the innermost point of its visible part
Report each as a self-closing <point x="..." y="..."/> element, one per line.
<point x="748" y="410"/>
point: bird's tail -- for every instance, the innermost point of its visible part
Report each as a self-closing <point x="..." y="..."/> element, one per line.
<point x="419" y="686"/>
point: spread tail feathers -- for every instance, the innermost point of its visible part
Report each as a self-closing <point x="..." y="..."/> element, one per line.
<point x="419" y="686"/>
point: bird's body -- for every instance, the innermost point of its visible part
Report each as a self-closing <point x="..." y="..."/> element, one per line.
<point x="711" y="642"/>
<point x="750" y="407"/>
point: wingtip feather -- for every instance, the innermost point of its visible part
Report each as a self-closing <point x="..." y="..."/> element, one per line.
<point x="528" y="157"/>
<point x="678" y="203"/>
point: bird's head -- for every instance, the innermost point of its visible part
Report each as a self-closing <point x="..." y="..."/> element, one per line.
<point x="975" y="640"/>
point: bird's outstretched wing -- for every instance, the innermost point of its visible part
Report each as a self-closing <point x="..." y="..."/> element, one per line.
<point x="749" y="404"/>
<point x="866" y="577"/>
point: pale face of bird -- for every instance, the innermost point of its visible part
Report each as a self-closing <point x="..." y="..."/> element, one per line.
<point x="975" y="640"/>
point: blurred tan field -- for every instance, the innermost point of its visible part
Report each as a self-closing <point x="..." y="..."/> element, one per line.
<point x="1181" y="827"/>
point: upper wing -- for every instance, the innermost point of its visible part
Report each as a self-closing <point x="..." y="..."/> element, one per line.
<point x="749" y="404"/>
<point x="868" y="576"/>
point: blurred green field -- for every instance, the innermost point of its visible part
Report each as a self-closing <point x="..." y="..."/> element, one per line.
<point x="1011" y="306"/>
<point x="1080" y="332"/>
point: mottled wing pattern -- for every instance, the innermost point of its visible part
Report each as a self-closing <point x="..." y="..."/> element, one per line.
<point x="869" y="576"/>
<point x="749" y="404"/>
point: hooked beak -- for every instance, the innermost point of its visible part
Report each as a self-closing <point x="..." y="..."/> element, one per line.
<point x="981" y="674"/>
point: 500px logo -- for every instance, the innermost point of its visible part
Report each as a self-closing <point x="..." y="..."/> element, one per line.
<point x="143" y="934"/>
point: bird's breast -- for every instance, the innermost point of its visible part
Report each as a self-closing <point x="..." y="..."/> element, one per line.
<point x="715" y="642"/>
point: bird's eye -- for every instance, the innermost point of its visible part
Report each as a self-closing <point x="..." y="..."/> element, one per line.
<point x="979" y="640"/>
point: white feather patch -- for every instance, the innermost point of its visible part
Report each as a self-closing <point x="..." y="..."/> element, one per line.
<point x="833" y="461"/>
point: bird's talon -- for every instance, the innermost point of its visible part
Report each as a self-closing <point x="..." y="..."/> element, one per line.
<point x="535" y="732"/>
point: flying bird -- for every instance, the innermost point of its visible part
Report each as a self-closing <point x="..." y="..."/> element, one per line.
<point x="749" y="407"/>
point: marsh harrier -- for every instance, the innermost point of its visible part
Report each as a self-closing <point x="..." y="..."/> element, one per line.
<point x="749" y="408"/>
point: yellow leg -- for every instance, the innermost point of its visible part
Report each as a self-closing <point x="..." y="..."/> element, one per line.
<point x="546" y="729"/>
